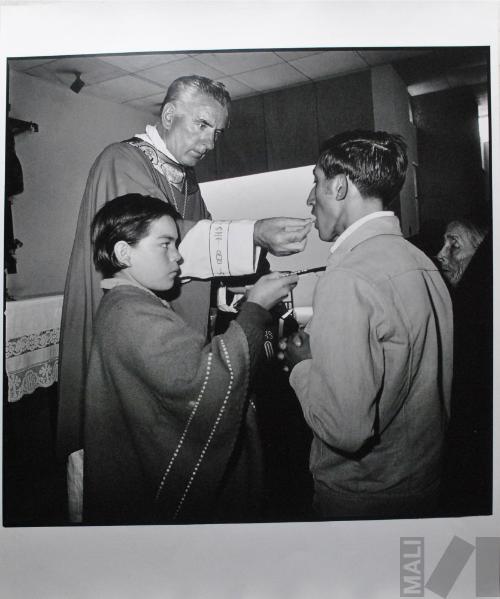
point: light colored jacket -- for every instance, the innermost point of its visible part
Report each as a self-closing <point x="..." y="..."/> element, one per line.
<point x="376" y="392"/>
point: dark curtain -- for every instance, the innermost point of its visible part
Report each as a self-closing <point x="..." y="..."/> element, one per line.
<point x="13" y="186"/>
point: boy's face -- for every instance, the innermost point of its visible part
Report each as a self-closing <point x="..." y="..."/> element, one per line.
<point x="154" y="259"/>
<point x="326" y="207"/>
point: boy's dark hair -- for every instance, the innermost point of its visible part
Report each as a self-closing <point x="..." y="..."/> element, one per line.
<point x="375" y="161"/>
<point x="126" y="218"/>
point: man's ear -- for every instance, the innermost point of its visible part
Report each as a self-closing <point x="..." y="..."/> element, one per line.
<point x="167" y="115"/>
<point x="339" y="187"/>
<point x="121" y="251"/>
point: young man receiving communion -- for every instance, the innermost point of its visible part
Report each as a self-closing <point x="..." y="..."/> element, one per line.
<point x="373" y="368"/>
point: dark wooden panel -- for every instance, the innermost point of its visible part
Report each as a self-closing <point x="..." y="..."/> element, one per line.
<point x="344" y="103"/>
<point x="242" y="149"/>
<point x="291" y="127"/>
<point x="450" y="181"/>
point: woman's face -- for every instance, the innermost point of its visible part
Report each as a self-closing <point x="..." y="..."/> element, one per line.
<point x="456" y="253"/>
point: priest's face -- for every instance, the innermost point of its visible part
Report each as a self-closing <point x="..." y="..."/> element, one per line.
<point x="192" y="125"/>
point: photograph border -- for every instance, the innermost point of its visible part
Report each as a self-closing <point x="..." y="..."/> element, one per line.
<point x="313" y="560"/>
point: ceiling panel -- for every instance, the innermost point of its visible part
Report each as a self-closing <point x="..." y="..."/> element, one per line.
<point x="164" y="74"/>
<point x="123" y="89"/>
<point x="23" y="64"/>
<point x="92" y="70"/>
<point x="138" y="62"/>
<point x="279" y="75"/>
<point x="295" y="54"/>
<point x="329" y="63"/>
<point x="232" y="63"/>
<point x="237" y="89"/>
<point x="142" y="79"/>
<point x="382" y="56"/>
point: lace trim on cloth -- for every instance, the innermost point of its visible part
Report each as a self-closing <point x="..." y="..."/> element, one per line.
<point x="26" y="381"/>
<point x="173" y="172"/>
<point x="33" y="341"/>
<point x="25" y="373"/>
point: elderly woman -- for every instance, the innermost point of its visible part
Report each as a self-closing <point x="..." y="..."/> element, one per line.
<point x="466" y="262"/>
<point x="461" y="240"/>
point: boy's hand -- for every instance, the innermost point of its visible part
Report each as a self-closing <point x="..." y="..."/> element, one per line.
<point x="271" y="288"/>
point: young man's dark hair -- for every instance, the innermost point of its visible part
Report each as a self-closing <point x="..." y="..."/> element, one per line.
<point x="375" y="161"/>
<point x="126" y="218"/>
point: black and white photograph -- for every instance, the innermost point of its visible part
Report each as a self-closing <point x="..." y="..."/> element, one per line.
<point x="248" y="304"/>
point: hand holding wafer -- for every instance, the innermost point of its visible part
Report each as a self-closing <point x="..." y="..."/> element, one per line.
<point x="282" y="236"/>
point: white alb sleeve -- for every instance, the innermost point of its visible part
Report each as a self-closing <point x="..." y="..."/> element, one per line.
<point x="215" y="248"/>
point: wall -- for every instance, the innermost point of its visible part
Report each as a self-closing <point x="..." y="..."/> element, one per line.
<point x="391" y="112"/>
<point x="284" y="129"/>
<point x="73" y="129"/>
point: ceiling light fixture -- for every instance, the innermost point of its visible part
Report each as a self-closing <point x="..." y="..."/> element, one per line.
<point x="77" y="84"/>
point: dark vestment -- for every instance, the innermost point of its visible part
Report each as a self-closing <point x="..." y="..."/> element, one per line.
<point x="467" y="487"/>
<point x="170" y="432"/>
<point x="13" y="185"/>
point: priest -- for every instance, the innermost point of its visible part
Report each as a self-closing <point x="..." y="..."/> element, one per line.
<point x="159" y="162"/>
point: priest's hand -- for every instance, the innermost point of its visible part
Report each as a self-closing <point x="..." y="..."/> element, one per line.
<point x="294" y="349"/>
<point x="282" y="235"/>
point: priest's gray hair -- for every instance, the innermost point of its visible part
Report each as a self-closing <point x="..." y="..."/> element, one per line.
<point x="191" y="84"/>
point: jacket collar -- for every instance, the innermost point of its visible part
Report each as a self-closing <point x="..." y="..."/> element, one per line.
<point x="384" y="225"/>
